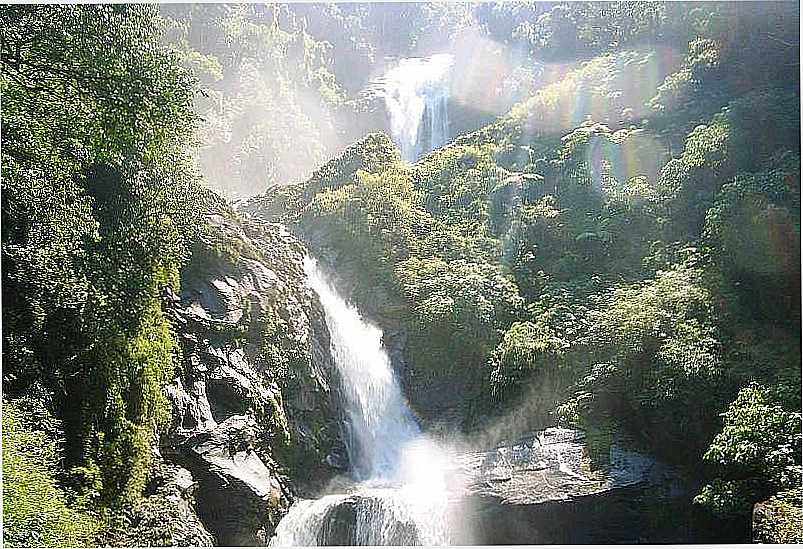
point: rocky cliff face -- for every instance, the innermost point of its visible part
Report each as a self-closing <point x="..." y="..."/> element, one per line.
<point x="255" y="401"/>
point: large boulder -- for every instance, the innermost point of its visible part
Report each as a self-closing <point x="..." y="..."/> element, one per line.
<point x="367" y="520"/>
<point x="553" y="465"/>
<point x="238" y="495"/>
<point x="545" y="489"/>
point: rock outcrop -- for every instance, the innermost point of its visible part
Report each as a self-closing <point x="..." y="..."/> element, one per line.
<point x="544" y="489"/>
<point x="240" y="493"/>
<point x="255" y="400"/>
<point x="554" y="465"/>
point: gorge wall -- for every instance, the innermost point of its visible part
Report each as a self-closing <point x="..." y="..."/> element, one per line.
<point x="256" y="408"/>
<point x="444" y="255"/>
<point x="592" y="301"/>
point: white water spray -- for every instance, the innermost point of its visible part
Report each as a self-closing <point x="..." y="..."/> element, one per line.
<point x="416" y="93"/>
<point x="402" y="495"/>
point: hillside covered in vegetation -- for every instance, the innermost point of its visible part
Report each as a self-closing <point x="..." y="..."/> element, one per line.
<point x="620" y="252"/>
<point x="609" y="242"/>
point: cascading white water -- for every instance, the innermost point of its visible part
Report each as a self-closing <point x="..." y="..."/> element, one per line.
<point x="416" y="93"/>
<point x="377" y="411"/>
<point x="402" y="496"/>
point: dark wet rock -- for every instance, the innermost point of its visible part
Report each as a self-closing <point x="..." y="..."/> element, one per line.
<point x="255" y="397"/>
<point x="338" y="459"/>
<point x="366" y="520"/>
<point x="237" y="493"/>
<point x="231" y="309"/>
<point x="544" y="489"/>
<point x="191" y="407"/>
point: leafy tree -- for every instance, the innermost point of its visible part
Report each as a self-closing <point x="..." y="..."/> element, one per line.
<point x="97" y="191"/>
<point x="655" y="353"/>
<point x="748" y="131"/>
<point x="754" y="230"/>
<point x="266" y="79"/>
<point x="525" y="349"/>
<point x="758" y="450"/>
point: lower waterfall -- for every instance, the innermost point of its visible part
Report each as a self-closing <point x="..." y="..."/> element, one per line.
<point x="400" y="496"/>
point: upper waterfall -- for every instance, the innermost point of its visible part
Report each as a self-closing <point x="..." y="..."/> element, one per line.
<point x="416" y="93"/>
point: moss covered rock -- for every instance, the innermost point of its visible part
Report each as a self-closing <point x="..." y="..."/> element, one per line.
<point x="254" y="408"/>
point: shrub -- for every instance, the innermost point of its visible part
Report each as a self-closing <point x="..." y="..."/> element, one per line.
<point x="36" y="510"/>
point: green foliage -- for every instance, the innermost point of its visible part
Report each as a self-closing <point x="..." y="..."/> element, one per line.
<point x="656" y="353"/>
<point x="570" y="30"/>
<point x="467" y="299"/>
<point x="135" y="369"/>
<point x="600" y="89"/>
<point x="637" y="317"/>
<point x="371" y="154"/>
<point x="218" y="245"/>
<point x="759" y="448"/>
<point x="723" y="497"/>
<point x="780" y="519"/>
<point x="270" y="96"/>
<point x="456" y="182"/>
<point x="111" y="92"/>
<point x="525" y="349"/>
<point x="745" y="133"/>
<point x="690" y="88"/>
<point x="97" y="195"/>
<point x="37" y="511"/>
<point x="733" y="49"/>
<point x="379" y="210"/>
<point x="754" y="230"/>
<point x="279" y="356"/>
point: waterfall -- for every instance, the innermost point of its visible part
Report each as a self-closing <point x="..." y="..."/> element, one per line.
<point x="416" y="93"/>
<point x="401" y="495"/>
<point x="379" y="422"/>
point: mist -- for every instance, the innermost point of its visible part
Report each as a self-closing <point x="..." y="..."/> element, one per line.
<point x="285" y="88"/>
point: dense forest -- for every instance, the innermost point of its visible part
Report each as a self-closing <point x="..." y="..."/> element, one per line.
<point x="609" y="242"/>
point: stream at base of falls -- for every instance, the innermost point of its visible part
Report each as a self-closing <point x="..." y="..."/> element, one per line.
<point x="400" y="494"/>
